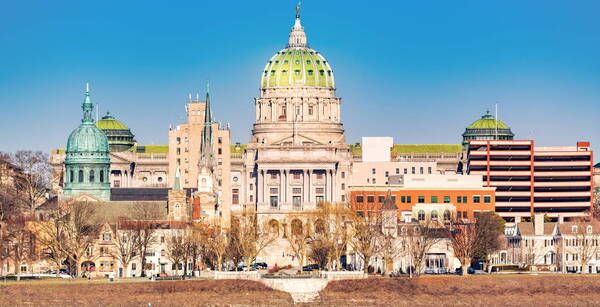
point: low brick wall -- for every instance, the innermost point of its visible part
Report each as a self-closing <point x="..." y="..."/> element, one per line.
<point x="230" y="275"/>
<point x="343" y="275"/>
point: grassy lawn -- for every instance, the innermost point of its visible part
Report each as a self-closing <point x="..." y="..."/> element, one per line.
<point x="163" y="293"/>
<point x="495" y="290"/>
<point x="483" y="290"/>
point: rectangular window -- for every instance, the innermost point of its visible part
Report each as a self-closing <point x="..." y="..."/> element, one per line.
<point x="235" y="196"/>
<point x="465" y="200"/>
<point x="297" y="190"/>
<point x="373" y="171"/>
<point x="319" y="199"/>
<point x="394" y="199"/>
<point x="487" y="199"/>
<point x="178" y="150"/>
<point x="134" y="266"/>
<point x="343" y="175"/>
<point x="273" y="201"/>
<point x="381" y="199"/>
<point x="409" y="199"/>
<point x="370" y="199"/>
<point x="476" y="199"/>
<point x="296" y="200"/>
<point x="251" y="187"/>
<point x="343" y="186"/>
<point x="220" y="140"/>
<point x="421" y="170"/>
<point x="405" y="171"/>
<point x="373" y="181"/>
<point x="360" y="199"/>
<point x="296" y="175"/>
<point x="397" y="171"/>
<point x="273" y="190"/>
<point x="403" y="199"/>
<point x="320" y="190"/>
<point x="106" y="237"/>
<point x="429" y="170"/>
<point x="458" y="199"/>
<point x="387" y="174"/>
<point x="421" y="199"/>
<point x="434" y="199"/>
<point x="446" y="199"/>
<point x="414" y="170"/>
<point x="220" y="151"/>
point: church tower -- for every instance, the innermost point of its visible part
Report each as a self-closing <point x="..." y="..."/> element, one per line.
<point x="177" y="205"/>
<point x="87" y="162"/>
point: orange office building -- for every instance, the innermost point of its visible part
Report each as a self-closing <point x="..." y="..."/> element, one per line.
<point x="426" y="196"/>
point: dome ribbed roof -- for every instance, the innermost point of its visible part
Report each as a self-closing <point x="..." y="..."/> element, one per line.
<point x="108" y="122"/>
<point x="87" y="138"/>
<point x="487" y="121"/>
<point x="297" y="66"/>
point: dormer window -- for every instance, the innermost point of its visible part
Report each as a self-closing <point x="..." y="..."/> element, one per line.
<point x="272" y="72"/>
<point x="297" y="71"/>
<point x="285" y="62"/>
<point x="318" y="62"/>
<point x="297" y="62"/>
<point x="321" y="72"/>
<point x="310" y="72"/>
<point x="106" y="237"/>
<point x="308" y="62"/>
<point x="589" y="229"/>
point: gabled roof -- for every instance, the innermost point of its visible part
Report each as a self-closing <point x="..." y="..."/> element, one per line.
<point x="527" y="229"/>
<point x="581" y="229"/>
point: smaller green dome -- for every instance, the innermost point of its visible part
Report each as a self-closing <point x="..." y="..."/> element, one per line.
<point x="297" y="66"/>
<point x="108" y="122"/>
<point x="487" y="121"/>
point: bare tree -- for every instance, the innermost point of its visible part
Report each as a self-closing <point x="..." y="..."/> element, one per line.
<point x="176" y="248"/>
<point x="299" y="239"/>
<point x="20" y="243"/>
<point x="586" y="248"/>
<point x="125" y="247"/>
<point x="465" y="241"/>
<point x="216" y="243"/>
<point x="331" y="233"/>
<point x="366" y="236"/>
<point x="252" y="237"/>
<point x="34" y="177"/>
<point x="70" y="231"/>
<point x="416" y="242"/>
<point x="143" y="230"/>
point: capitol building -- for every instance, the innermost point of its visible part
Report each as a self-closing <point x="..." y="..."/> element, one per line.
<point x="297" y="158"/>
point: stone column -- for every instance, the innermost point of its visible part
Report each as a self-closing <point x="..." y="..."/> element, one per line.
<point x="281" y="187"/>
<point x="259" y="186"/>
<point x="309" y="185"/>
<point x="265" y="174"/>
<point x="333" y="188"/>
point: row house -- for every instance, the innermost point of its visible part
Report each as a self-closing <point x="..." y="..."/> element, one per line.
<point x="551" y="246"/>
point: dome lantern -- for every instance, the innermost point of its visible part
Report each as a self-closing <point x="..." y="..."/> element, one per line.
<point x="487" y="128"/>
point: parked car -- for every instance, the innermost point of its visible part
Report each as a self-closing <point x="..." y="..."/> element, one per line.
<point x="259" y="265"/>
<point x="470" y="270"/>
<point x="311" y="267"/>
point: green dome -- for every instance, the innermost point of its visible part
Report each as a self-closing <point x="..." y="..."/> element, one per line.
<point x="119" y="136"/>
<point x="486" y="129"/>
<point x="297" y="66"/>
<point x="487" y="121"/>
<point x="87" y="138"/>
<point x="108" y="122"/>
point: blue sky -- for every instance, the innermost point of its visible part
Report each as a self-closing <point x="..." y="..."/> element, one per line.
<point x="419" y="71"/>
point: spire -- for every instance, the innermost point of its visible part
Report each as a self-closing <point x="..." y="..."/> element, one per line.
<point x="297" y="36"/>
<point x="177" y="183"/>
<point x="388" y="203"/>
<point x="206" y="146"/>
<point x="87" y="107"/>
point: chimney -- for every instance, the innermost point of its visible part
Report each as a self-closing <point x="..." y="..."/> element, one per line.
<point x="538" y="224"/>
<point x="561" y="219"/>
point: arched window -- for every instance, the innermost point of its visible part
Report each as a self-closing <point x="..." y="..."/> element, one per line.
<point x="80" y="176"/>
<point x="92" y="179"/>
<point x="101" y="175"/>
<point x="434" y="215"/>
<point x="296" y="227"/>
<point x="421" y="215"/>
<point x="177" y="212"/>
<point x="71" y="176"/>
<point x="447" y="215"/>
<point x="274" y="228"/>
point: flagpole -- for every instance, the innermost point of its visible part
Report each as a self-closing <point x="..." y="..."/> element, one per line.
<point x="496" y="121"/>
